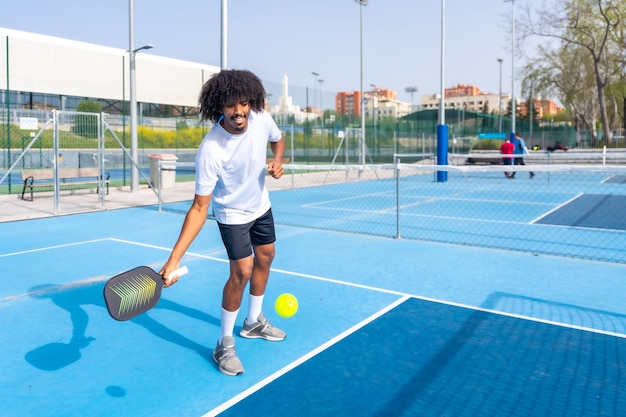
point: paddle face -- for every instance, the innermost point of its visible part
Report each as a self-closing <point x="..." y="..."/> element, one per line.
<point x="134" y="292"/>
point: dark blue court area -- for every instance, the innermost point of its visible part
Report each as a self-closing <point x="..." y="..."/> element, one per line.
<point x="386" y="327"/>
<point x="590" y="210"/>
<point x="424" y="358"/>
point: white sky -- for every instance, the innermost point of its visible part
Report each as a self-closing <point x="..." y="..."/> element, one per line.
<point x="401" y="38"/>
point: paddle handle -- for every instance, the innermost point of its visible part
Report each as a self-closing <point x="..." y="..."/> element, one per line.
<point x="183" y="270"/>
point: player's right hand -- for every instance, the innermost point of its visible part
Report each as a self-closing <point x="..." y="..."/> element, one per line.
<point x="168" y="278"/>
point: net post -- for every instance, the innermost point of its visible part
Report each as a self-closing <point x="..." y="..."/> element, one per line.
<point x="397" y="169"/>
<point x="442" y="151"/>
<point x="159" y="169"/>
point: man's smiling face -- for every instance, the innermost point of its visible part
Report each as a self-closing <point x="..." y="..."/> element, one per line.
<point x="236" y="116"/>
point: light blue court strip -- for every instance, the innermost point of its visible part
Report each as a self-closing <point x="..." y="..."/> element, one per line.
<point x="63" y="354"/>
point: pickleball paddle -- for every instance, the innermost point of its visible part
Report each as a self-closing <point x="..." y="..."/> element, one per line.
<point x="135" y="291"/>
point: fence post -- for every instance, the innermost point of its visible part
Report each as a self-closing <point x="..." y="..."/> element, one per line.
<point x="397" y="169"/>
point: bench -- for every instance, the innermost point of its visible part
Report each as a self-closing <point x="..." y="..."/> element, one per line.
<point x="483" y="160"/>
<point x="69" y="178"/>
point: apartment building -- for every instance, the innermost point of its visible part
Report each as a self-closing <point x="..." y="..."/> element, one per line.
<point x="378" y="103"/>
<point x="540" y="108"/>
<point x="471" y="98"/>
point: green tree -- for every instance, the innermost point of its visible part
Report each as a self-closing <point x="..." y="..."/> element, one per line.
<point x="86" y="125"/>
<point x="588" y="33"/>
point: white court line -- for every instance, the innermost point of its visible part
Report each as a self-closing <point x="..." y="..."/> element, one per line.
<point x="147" y="245"/>
<point x="392" y="210"/>
<point x="266" y="381"/>
<point x="416" y="215"/>
<point x="66" y="245"/>
<point x="402" y="298"/>
<point x="451" y="303"/>
<point x="403" y="295"/>
<point x="390" y="194"/>
<point x="556" y="208"/>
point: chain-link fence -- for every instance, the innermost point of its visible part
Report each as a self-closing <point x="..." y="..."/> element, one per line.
<point x="572" y="205"/>
<point x="566" y="210"/>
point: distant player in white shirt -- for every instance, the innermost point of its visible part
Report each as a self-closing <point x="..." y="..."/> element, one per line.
<point x="230" y="173"/>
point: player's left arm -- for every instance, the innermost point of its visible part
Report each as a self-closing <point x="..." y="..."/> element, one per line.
<point x="275" y="166"/>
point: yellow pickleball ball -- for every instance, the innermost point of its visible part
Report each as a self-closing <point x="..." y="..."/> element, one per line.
<point x="286" y="305"/>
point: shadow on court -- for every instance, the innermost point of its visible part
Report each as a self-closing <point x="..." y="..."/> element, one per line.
<point x="73" y="298"/>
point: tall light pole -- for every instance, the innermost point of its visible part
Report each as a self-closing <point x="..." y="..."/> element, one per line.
<point x="134" y="154"/>
<point x="321" y="105"/>
<point x="500" y="100"/>
<point x="374" y="100"/>
<point x="512" y="136"/>
<point x="362" y="3"/>
<point x="224" y="36"/>
<point x="315" y="75"/>
<point x="442" y="128"/>
<point x="411" y="90"/>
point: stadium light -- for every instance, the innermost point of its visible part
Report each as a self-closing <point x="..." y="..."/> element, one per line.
<point x="411" y="90"/>
<point x="374" y="101"/>
<point x="321" y="108"/>
<point x="147" y="46"/>
<point x="134" y="154"/>
<point x="224" y="36"/>
<point x="362" y="3"/>
<point x="315" y="75"/>
<point x="512" y="67"/>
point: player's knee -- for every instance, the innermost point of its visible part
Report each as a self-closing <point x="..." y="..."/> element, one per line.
<point x="241" y="270"/>
<point x="264" y="255"/>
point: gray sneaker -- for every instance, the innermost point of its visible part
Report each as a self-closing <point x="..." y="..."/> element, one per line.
<point x="226" y="357"/>
<point x="262" y="329"/>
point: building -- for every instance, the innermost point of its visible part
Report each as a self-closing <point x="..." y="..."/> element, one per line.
<point x="378" y="104"/>
<point x="467" y="97"/>
<point x="541" y="108"/>
<point x="462" y="90"/>
<point x="46" y="72"/>
<point x="470" y="98"/>
<point x="285" y="111"/>
<point x="348" y="105"/>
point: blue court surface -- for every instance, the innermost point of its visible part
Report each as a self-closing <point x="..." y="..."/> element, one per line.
<point x="386" y="327"/>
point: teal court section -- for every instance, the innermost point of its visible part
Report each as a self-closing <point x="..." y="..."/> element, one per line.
<point x="406" y="319"/>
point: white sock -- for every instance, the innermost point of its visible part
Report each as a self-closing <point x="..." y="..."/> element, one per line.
<point x="255" y="308"/>
<point x="227" y="323"/>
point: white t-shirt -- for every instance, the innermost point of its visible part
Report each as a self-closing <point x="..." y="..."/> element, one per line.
<point x="232" y="168"/>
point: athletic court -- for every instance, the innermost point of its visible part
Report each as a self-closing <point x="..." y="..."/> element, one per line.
<point x="386" y="327"/>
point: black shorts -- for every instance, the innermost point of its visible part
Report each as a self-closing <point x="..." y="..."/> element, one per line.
<point x="240" y="238"/>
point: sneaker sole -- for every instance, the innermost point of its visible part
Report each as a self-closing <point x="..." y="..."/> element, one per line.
<point x="247" y="335"/>
<point x="225" y="371"/>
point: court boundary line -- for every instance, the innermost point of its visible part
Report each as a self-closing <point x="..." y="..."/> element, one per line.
<point x="391" y="210"/>
<point x="564" y="204"/>
<point x="302" y="359"/>
<point x="455" y="304"/>
<point x="339" y="337"/>
<point x="558" y="207"/>
<point x="65" y="245"/>
<point x="319" y="278"/>
<point x="403" y="297"/>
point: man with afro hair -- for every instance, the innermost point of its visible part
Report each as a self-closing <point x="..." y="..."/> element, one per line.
<point x="230" y="176"/>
